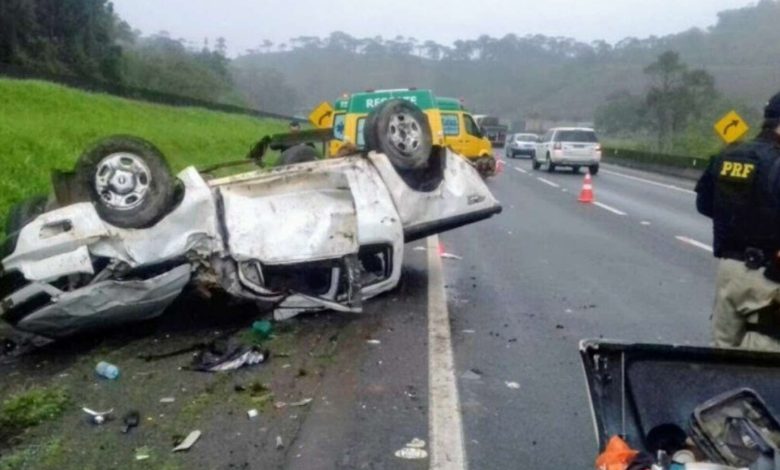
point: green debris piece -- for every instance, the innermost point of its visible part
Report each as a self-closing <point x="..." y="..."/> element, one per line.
<point x="262" y="329"/>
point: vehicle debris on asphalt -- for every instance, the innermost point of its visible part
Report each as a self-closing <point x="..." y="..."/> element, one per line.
<point x="304" y="402"/>
<point x="188" y="441"/>
<point x="130" y="420"/>
<point x="471" y="374"/>
<point x="451" y="256"/>
<point x="221" y="356"/>
<point x="262" y="329"/>
<point x="512" y="385"/>
<point x="98" y="417"/>
<point x="279" y="443"/>
<point x="413" y="450"/>
<point x="107" y="371"/>
<point x="142" y="453"/>
<point x="167" y="400"/>
<point x="252" y="414"/>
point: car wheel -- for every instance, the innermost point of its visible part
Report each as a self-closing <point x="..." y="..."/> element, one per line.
<point x="550" y="165"/>
<point x="575" y="169"/>
<point x="128" y="180"/>
<point x="400" y="130"/>
<point x="535" y="164"/>
<point x="594" y="169"/>
<point x="20" y="215"/>
<point x="298" y="154"/>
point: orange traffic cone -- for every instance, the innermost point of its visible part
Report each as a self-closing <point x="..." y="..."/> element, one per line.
<point x="586" y="195"/>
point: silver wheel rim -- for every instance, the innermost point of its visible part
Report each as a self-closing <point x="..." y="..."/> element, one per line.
<point x="122" y="181"/>
<point x="404" y="132"/>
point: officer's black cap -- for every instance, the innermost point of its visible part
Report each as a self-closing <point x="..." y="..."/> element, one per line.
<point x="772" y="110"/>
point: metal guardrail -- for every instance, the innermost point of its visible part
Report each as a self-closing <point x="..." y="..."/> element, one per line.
<point x="124" y="91"/>
<point x="673" y="165"/>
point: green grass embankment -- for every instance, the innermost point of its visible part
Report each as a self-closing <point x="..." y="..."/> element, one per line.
<point x="45" y="126"/>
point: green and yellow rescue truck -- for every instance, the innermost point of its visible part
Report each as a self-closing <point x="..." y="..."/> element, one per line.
<point x="451" y="124"/>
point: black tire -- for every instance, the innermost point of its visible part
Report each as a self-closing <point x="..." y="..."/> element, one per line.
<point x="143" y="166"/>
<point x="575" y="169"/>
<point x="400" y="130"/>
<point x="594" y="169"/>
<point x="21" y="214"/>
<point x="550" y="165"/>
<point x="370" y="141"/>
<point x="298" y="154"/>
<point x="535" y="164"/>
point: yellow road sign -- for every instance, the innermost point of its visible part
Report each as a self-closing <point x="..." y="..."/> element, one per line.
<point x="322" y="116"/>
<point x="731" y="127"/>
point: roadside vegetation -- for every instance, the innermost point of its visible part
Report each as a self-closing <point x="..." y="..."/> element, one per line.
<point x="518" y="76"/>
<point x="45" y="127"/>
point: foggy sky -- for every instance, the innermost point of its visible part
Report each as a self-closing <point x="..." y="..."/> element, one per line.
<point x="246" y="23"/>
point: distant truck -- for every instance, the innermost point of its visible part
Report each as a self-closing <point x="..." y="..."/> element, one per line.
<point x="492" y="128"/>
<point x="452" y="125"/>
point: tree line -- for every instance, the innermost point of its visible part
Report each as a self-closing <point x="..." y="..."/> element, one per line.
<point x="517" y="77"/>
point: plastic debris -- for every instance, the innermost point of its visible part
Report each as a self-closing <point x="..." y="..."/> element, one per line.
<point x="303" y="402"/>
<point x="262" y="329"/>
<point x="224" y="356"/>
<point x="252" y="414"/>
<point x="279" y="442"/>
<point x="416" y="443"/>
<point x="420" y="248"/>
<point x="280" y="404"/>
<point x="471" y="375"/>
<point x="107" y="371"/>
<point x="617" y="455"/>
<point x="468" y="332"/>
<point x="373" y="341"/>
<point x="142" y="453"/>
<point x="167" y="400"/>
<point x="512" y="385"/>
<point x="188" y="441"/>
<point x="446" y="255"/>
<point x="98" y="417"/>
<point x="414" y="450"/>
<point x="130" y="420"/>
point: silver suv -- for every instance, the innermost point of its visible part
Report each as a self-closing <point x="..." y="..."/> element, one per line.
<point x="573" y="147"/>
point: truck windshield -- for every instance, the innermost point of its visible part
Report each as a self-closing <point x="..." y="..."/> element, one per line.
<point x="471" y="126"/>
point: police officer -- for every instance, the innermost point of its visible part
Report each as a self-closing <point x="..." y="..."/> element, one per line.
<point x="740" y="191"/>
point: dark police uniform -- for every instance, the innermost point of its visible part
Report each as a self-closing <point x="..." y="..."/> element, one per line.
<point x="740" y="191"/>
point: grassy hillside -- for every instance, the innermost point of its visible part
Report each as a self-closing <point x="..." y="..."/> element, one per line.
<point x="45" y="126"/>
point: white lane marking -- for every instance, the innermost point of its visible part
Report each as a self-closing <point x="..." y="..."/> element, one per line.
<point x="549" y="183"/>
<point x="444" y="411"/>
<point x="521" y="170"/>
<point x="609" y="208"/>
<point x="646" y="181"/>
<point x="695" y="243"/>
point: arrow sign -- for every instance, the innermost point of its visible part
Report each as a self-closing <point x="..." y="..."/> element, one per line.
<point x="323" y="117"/>
<point x="732" y="124"/>
<point x="731" y="127"/>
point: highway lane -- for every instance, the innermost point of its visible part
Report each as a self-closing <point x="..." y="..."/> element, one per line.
<point x="551" y="271"/>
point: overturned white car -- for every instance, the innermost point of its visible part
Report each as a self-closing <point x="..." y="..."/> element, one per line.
<point x="122" y="237"/>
